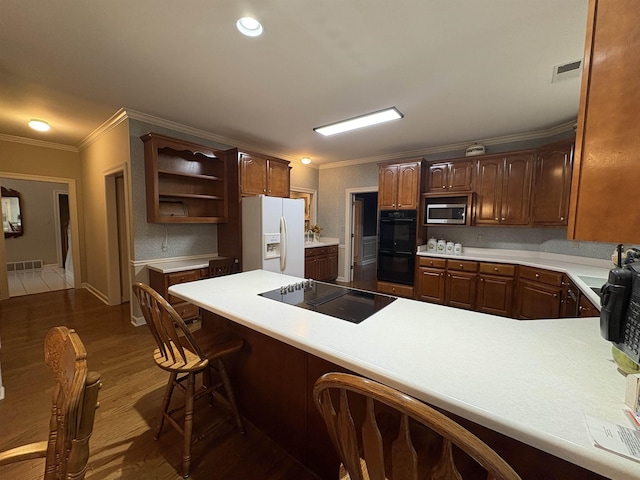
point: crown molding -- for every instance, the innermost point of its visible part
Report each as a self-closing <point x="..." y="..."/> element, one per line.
<point x="519" y="137"/>
<point x="37" y="143"/>
<point x="115" y="120"/>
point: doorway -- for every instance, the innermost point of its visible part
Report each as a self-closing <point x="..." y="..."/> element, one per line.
<point x="362" y="230"/>
<point x="118" y="238"/>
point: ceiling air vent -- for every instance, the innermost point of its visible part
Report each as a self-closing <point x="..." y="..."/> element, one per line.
<point x="566" y="71"/>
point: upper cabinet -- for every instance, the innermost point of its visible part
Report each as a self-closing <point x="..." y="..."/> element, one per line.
<point x="606" y="172"/>
<point x="453" y="176"/>
<point x="503" y="189"/>
<point x="399" y="185"/>
<point x="185" y="182"/>
<point x="552" y="185"/>
<point x="261" y="175"/>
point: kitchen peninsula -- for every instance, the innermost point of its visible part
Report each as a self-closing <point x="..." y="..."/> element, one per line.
<point x="532" y="382"/>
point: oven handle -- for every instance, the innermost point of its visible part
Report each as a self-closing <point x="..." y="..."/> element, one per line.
<point x="396" y="252"/>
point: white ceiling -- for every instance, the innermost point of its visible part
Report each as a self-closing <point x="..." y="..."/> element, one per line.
<point x="460" y="71"/>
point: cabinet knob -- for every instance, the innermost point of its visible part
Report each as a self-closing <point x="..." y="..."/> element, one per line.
<point x="495" y="269"/>
<point x="562" y="219"/>
<point x="444" y="186"/>
<point x="481" y="279"/>
<point x="450" y="186"/>
<point x="537" y="275"/>
<point x="497" y="219"/>
<point x="503" y="219"/>
<point x="462" y="266"/>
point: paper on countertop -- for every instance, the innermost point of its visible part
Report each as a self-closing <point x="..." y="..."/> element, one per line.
<point x="615" y="438"/>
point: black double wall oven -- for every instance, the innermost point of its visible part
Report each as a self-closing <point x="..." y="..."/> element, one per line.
<point x="397" y="245"/>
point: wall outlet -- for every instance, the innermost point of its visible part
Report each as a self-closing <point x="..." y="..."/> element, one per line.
<point x="165" y="247"/>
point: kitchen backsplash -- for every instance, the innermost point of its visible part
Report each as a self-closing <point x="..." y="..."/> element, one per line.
<point x="551" y="240"/>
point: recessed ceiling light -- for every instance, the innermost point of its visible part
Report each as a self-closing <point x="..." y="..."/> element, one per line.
<point x="249" y="26"/>
<point x="305" y="160"/>
<point x="361" y="121"/>
<point x="39" y="125"/>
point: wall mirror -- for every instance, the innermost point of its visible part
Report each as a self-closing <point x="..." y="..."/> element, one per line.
<point x="11" y="213"/>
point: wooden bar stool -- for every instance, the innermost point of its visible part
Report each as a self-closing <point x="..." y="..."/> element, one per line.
<point x="184" y="355"/>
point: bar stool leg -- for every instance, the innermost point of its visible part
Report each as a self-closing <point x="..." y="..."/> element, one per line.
<point x="188" y="424"/>
<point x="165" y="403"/>
<point x="230" y="396"/>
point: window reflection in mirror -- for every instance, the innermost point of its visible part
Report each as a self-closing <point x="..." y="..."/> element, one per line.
<point x="11" y="213"/>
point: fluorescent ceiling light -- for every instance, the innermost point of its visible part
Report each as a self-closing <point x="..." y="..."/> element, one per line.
<point x="39" y="125"/>
<point x="361" y="121"/>
<point x="249" y="26"/>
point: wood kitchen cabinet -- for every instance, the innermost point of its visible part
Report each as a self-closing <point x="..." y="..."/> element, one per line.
<point x="161" y="282"/>
<point x="397" y="289"/>
<point x="261" y="175"/>
<point x="185" y="182"/>
<point x="321" y="263"/>
<point x="552" y="185"/>
<point x="452" y="176"/>
<point x="503" y="189"/>
<point x="496" y="282"/>
<point x="570" y="299"/>
<point x="538" y="293"/>
<point x="431" y="279"/>
<point x="460" y="286"/>
<point x="586" y="308"/>
<point x="606" y="173"/>
<point x="399" y="185"/>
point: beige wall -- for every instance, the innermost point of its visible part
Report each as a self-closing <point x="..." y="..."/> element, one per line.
<point x="100" y="158"/>
<point x="44" y="163"/>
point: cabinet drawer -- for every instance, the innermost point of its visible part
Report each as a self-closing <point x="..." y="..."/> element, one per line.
<point x="181" y="277"/>
<point x="462" y="265"/>
<point x="498" y="269"/>
<point x="332" y="249"/>
<point x="543" y="276"/>
<point x="186" y="310"/>
<point x="396" y="289"/>
<point x="431" y="262"/>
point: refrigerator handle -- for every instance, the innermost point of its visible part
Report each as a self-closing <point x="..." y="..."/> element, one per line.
<point x="283" y="244"/>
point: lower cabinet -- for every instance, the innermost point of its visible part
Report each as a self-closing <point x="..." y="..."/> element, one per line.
<point x="460" y="285"/>
<point x="539" y="293"/>
<point x="161" y="282"/>
<point x="586" y="308"/>
<point x="430" y="281"/>
<point x="321" y="263"/>
<point x="496" y="283"/>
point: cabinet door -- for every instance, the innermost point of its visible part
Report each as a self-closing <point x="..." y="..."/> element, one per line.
<point x="536" y="300"/>
<point x="408" y="190"/>
<point x="332" y="260"/>
<point x="253" y="175"/>
<point x="431" y="282"/>
<point x="310" y="270"/>
<point x="488" y="191"/>
<point x="437" y="181"/>
<point x="552" y="185"/>
<point x="606" y="173"/>
<point x="586" y="308"/>
<point x="278" y="180"/>
<point x="387" y="184"/>
<point x="459" y="176"/>
<point x="495" y="295"/>
<point x="516" y="190"/>
<point x="461" y="289"/>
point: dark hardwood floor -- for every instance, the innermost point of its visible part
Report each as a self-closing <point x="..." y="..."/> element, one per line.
<point x="122" y="445"/>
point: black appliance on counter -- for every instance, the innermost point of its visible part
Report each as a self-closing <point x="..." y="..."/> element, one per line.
<point x="620" y="312"/>
<point x="397" y="246"/>
<point x="344" y="303"/>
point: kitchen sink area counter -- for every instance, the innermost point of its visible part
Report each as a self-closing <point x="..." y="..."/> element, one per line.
<point x="587" y="273"/>
<point x="322" y="242"/>
<point x="531" y="381"/>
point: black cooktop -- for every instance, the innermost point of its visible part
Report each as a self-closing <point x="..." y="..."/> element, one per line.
<point x="340" y="302"/>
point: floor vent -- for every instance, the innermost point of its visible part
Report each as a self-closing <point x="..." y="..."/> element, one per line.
<point x="24" y="265"/>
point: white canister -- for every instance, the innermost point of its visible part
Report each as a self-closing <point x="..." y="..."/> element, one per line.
<point x="457" y="249"/>
<point x="449" y="248"/>
<point x="441" y="246"/>
<point x="431" y="245"/>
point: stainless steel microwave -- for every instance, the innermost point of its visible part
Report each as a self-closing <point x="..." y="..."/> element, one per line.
<point x="445" y="213"/>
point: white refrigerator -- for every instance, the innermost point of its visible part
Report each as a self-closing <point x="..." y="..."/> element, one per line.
<point x="273" y="234"/>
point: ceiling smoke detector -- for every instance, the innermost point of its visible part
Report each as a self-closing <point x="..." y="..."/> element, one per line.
<point x="566" y="71"/>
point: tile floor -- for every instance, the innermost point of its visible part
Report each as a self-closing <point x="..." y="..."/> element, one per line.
<point x="47" y="279"/>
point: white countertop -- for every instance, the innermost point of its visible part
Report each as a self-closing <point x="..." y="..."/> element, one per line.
<point x="530" y="380"/>
<point x="322" y="242"/>
<point x="173" y="266"/>
<point x="584" y="272"/>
